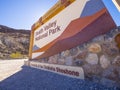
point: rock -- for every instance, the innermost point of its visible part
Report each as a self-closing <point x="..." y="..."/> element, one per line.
<point x="98" y="39"/>
<point x="110" y="49"/>
<point x="62" y="54"/>
<point x="108" y="39"/>
<point x="53" y="59"/>
<point x="104" y="62"/>
<point x="91" y="70"/>
<point x="2" y="46"/>
<point x="75" y="51"/>
<point x="1" y="55"/>
<point x="82" y="47"/>
<point x="65" y="53"/>
<point x="94" y="48"/>
<point x="78" y="62"/>
<point x="69" y="60"/>
<point x="61" y="61"/>
<point x="82" y="55"/>
<point x="109" y="35"/>
<point x="92" y="59"/>
<point x="1" y="42"/>
<point x="117" y="61"/>
<point x="44" y="60"/>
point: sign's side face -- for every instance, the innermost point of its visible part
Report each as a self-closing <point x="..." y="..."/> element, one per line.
<point x="117" y="4"/>
<point x="113" y="6"/>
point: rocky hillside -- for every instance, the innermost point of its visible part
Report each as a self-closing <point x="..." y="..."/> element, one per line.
<point x="13" y="43"/>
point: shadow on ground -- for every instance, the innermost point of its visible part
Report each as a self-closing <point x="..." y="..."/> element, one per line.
<point x="35" y="79"/>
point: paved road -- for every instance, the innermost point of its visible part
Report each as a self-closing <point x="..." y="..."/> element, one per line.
<point x="25" y="78"/>
<point x="10" y="67"/>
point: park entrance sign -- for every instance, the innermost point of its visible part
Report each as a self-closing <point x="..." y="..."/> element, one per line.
<point x="57" y="22"/>
<point x="75" y="35"/>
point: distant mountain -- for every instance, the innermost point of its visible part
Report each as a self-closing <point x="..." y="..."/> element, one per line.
<point x="14" y="43"/>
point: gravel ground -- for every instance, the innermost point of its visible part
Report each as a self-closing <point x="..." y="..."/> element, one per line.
<point x="34" y="79"/>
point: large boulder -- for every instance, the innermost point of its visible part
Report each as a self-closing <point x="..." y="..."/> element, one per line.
<point x="94" y="48"/>
<point x="104" y="62"/>
<point x="116" y="61"/>
<point x="92" y="58"/>
<point x="91" y="70"/>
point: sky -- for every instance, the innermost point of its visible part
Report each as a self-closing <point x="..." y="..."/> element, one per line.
<point x="22" y="14"/>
